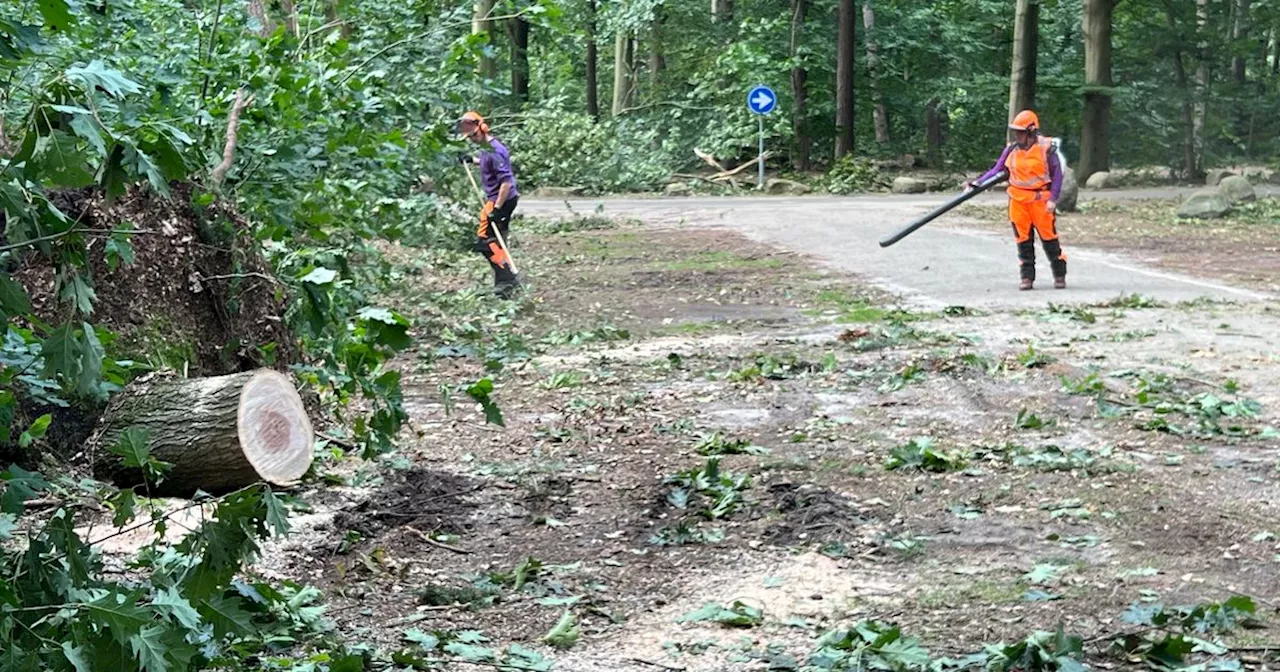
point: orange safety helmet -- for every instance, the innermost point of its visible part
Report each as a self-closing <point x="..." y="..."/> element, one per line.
<point x="1025" y="120"/>
<point x="474" y="119"/>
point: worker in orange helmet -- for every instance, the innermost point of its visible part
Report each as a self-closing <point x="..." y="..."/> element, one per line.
<point x="1035" y="183"/>
<point x="498" y="180"/>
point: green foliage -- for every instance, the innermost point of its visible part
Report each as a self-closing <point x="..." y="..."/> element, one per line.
<point x="1040" y="652"/>
<point x="713" y="493"/>
<point x="921" y="453"/>
<point x="1176" y="632"/>
<point x="911" y="373"/>
<point x="190" y="612"/>
<point x="686" y="532"/>
<point x="716" y="443"/>
<point x="565" y="633"/>
<point x="554" y="146"/>
<point x="869" y="645"/>
<point x="851" y="175"/>
<point x="736" y="615"/>
<point x="442" y="647"/>
<point x="1028" y="420"/>
<point x="1032" y="359"/>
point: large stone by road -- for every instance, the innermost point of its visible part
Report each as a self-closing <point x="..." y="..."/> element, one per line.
<point x="934" y="267"/>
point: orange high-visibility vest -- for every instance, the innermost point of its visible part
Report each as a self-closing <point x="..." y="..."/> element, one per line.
<point x="1029" y="168"/>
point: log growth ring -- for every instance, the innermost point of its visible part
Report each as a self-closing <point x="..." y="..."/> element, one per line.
<point x="275" y="432"/>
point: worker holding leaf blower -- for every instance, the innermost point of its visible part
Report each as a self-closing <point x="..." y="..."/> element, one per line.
<point x="1035" y="183"/>
<point x="500" y="198"/>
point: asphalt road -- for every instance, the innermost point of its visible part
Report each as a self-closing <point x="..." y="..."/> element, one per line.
<point x="932" y="267"/>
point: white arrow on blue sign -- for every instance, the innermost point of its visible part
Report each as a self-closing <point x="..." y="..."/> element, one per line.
<point x="762" y="100"/>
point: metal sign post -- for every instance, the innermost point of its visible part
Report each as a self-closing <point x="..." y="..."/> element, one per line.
<point x="761" y="100"/>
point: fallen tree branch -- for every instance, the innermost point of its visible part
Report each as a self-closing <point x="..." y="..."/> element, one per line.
<point x="711" y="160"/>
<point x="691" y="176"/>
<point x="730" y="173"/>
<point x="233" y="125"/>
<point x="661" y="666"/>
<point x="239" y="276"/>
<point x="438" y="544"/>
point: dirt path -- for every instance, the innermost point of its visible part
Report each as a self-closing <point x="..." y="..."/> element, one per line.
<point x="692" y="418"/>
<point x="935" y="267"/>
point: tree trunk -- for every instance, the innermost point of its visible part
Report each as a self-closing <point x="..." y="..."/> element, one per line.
<point x="593" y="59"/>
<point x="873" y="72"/>
<point x="518" y="31"/>
<point x="1191" y="169"/>
<point x="1202" y="82"/>
<point x="258" y="10"/>
<point x="1022" y="76"/>
<point x="933" y="133"/>
<point x="1239" y="33"/>
<point x="1095" y="151"/>
<point x="623" y="57"/>
<point x="799" y="91"/>
<point x="220" y="434"/>
<point x="482" y="24"/>
<point x="657" y="59"/>
<point x="722" y="11"/>
<point x="332" y="15"/>
<point x="845" y="61"/>
<point x="1275" y="52"/>
<point x="290" y="17"/>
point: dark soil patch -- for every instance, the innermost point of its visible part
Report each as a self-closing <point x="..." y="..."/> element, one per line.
<point x="197" y="293"/>
<point x="549" y="497"/>
<point x="428" y="501"/>
<point x="810" y="514"/>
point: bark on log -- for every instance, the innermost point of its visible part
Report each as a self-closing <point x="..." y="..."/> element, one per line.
<point x="219" y="433"/>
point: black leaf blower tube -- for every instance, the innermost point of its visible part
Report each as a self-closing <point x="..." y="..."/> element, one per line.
<point x="978" y="188"/>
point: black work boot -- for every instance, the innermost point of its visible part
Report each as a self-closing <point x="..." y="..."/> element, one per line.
<point x="1027" y="263"/>
<point x="1057" y="261"/>
<point x="505" y="283"/>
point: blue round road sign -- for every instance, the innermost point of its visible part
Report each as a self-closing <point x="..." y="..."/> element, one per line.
<point x="762" y="100"/>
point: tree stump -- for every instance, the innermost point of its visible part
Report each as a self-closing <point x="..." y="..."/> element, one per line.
<point x="220" y="433"/>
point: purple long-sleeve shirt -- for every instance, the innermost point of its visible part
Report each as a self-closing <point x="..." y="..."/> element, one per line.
<point x="1055" y="171"/>
<point x="495" y="168"/>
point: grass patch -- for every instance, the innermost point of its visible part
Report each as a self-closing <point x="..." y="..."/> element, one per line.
<point x="980" y="592"/>
<point x="716" y="260"/>
<point x="853" y="309"/>
<point x="690" y="328"/>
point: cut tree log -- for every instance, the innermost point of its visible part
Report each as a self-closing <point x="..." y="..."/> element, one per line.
<point x="219" y="433"/>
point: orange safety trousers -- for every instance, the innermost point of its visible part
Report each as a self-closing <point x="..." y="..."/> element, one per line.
<point x="491" y="249"/>
<point x="1027" y="212"/>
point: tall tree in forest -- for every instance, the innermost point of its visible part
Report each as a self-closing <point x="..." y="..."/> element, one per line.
<point x="1239" y="38"/>
<point x="1191" y="165"/>
<point x="657" y="57"/>
<point x="624" y="49"/>
<point x="799" y="90"/>
<point x="1095" y="136"/>
<point x="593" y="61"/>
<point x="518" y="32"/>
<point x="258" y="10"/>
<point x="482" y="24"/>
<point x="722" y="11"/>
<point x="1200" y="118"/>
<point x="844" y="78"/>
<point x="873" y="73"/>
<point x="1239" y="33"/>
<point x="1026" y="39"/>
<point x="933" y="134"/>
<point x="333" y="17"/>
